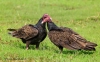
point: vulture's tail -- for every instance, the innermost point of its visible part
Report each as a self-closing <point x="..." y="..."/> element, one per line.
<point x="90" y="46"/>
<point x="11" y="29"/>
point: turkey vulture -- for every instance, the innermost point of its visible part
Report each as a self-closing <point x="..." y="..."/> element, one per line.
<point x="31" y="34"/>
<point x="64" y="37"/>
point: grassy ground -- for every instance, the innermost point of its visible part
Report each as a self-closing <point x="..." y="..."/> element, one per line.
<point x="83" y="16"/>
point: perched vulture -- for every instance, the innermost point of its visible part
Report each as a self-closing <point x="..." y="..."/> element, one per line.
<point x="31" y="34"/>
<point x="64" y="37"/>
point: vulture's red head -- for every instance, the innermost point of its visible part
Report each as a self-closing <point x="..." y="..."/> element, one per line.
<point x="46" y="18"/>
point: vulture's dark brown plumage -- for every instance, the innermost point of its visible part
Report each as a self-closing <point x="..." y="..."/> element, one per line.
<point x="31" y="34"/>
<point x="64" y="37"/>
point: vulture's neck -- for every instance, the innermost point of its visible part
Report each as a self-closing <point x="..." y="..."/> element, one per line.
<point x="51" y="26"/>
<point x="39" y="23"/>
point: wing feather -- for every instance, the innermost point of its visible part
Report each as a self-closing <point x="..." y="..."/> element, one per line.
<point x="28" y="31"/>
<point x="67" y="38"/>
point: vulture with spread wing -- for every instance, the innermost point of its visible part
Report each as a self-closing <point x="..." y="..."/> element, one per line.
<point x="64" y="37"/>
<point x="31" y="34"/>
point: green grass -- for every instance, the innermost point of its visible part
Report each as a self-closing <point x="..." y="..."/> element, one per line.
<point x="83" y="16"/>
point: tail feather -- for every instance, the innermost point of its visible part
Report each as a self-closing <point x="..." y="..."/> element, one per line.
<point x="90" y="46"/>
<point x="11" y="29"/>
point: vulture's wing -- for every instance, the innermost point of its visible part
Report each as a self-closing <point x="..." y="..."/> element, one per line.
<point x="62" y="38"/>
<point x="28" y="31"/>
<point x="78" y="42"/>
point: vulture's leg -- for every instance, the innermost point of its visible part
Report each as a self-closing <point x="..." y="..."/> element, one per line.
<point x="27" y="44"/>
<point x="61" y="48"/>
<point x="37" y="45"/>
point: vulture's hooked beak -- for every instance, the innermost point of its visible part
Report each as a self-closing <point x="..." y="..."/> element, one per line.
<point x="46" y="20"/>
